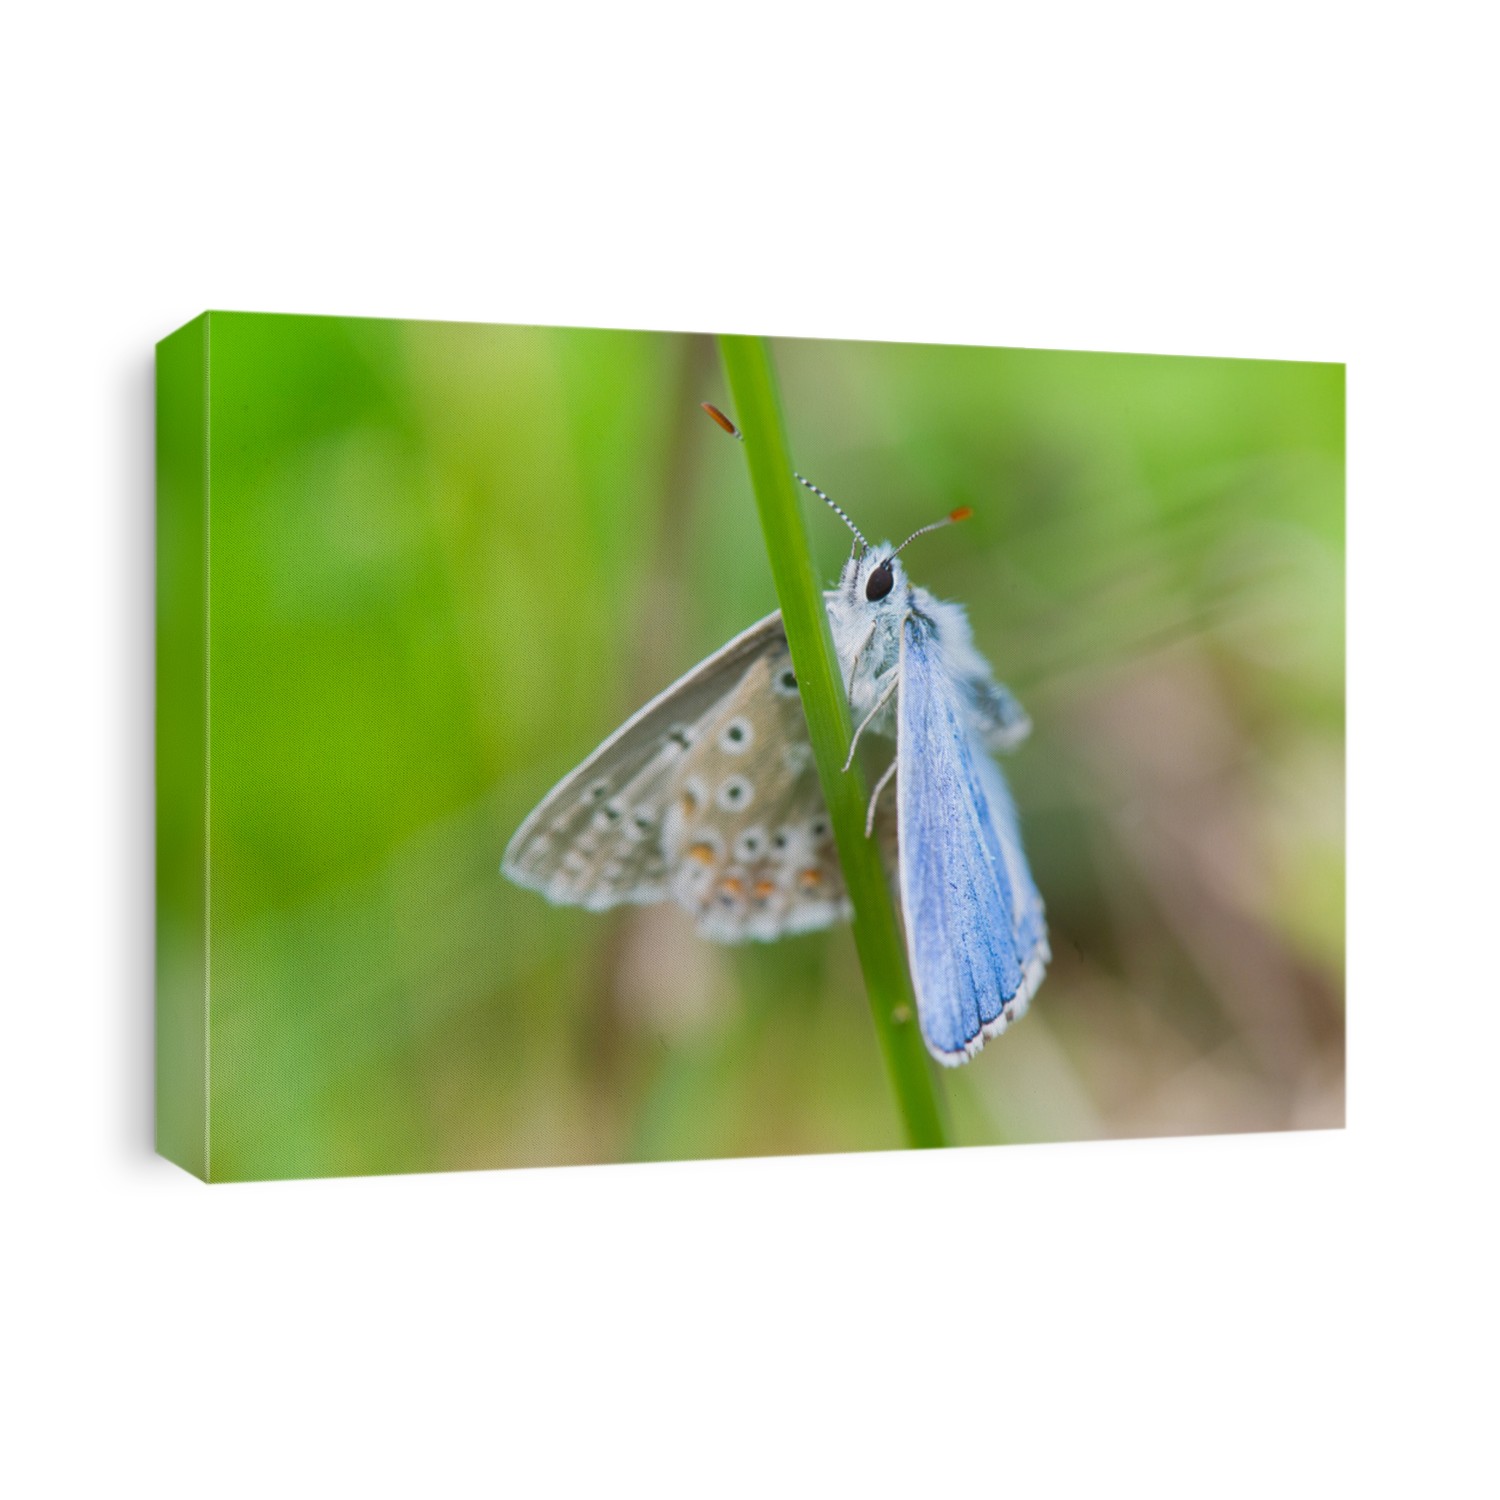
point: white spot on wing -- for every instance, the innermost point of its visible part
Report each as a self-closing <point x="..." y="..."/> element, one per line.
<point x="796" y="757"/>
<point x="751" y="844"/>
<point x="737" y="736"/>
<point x="735" y="794"/>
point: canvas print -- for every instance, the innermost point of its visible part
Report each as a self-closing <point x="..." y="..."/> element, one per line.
<point x="587" y="746"/>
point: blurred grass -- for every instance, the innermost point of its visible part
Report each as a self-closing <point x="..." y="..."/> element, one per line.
<point x="448" y="559"/>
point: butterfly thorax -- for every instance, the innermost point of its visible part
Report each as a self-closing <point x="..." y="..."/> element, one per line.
<point x="867" y="635"/>
<point x="867" y="631"/>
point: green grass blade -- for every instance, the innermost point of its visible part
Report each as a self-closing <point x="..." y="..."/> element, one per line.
<point x="877" y="937"/>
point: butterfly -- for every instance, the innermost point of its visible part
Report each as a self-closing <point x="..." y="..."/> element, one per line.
<point x="709" y="797"/>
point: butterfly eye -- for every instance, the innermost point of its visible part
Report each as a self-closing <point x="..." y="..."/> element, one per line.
<point x="880" y="583"/>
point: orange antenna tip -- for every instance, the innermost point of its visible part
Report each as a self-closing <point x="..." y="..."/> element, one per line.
<point x="720" y="418"/>
<point x="961" y="514"/>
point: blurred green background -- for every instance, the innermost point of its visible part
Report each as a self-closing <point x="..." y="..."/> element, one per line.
<point x="448" y="559"/>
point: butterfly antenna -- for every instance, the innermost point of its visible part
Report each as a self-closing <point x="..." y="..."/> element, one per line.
<point x="835" y="507"/>
<point x="822" y="495"/>
<point x="961" y="514"/>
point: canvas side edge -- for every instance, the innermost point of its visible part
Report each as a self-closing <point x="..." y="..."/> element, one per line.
<point x="182" y="747"/>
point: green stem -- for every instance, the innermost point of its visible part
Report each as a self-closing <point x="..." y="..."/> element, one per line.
<point x="882" y="955"/>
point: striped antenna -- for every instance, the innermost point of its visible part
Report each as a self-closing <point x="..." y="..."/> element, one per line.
<point x="827" y="499"/>
<point x="961" y="514"/>
<point x="836" y="508"/>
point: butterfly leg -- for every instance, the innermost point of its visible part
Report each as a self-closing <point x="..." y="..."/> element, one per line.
<point x="881" y="702"/>
<point x="859" y="651"/>
<point x="880" y="786"/>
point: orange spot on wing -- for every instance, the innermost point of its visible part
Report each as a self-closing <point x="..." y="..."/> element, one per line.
<point x="765" y="888"/>
<point x="810" y="878"/>
<point x="703" y="853"/>
<point x="732" y="886"/>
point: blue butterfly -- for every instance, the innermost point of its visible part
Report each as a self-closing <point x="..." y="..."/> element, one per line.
<point x="708" y="796"/>
<point x="976" y="933"/>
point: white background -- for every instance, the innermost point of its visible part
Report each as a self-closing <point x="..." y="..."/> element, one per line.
<point x="1286" y="1315"/>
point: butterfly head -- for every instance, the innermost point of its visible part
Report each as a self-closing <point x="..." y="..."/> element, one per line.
<point x="875" y="577"/>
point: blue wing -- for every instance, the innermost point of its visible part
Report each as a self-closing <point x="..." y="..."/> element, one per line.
<point x="1029" y="913"/>
<point x="974" y="928"/>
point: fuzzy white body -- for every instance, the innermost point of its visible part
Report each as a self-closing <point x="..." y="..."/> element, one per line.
<point x="867" y="637"/>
